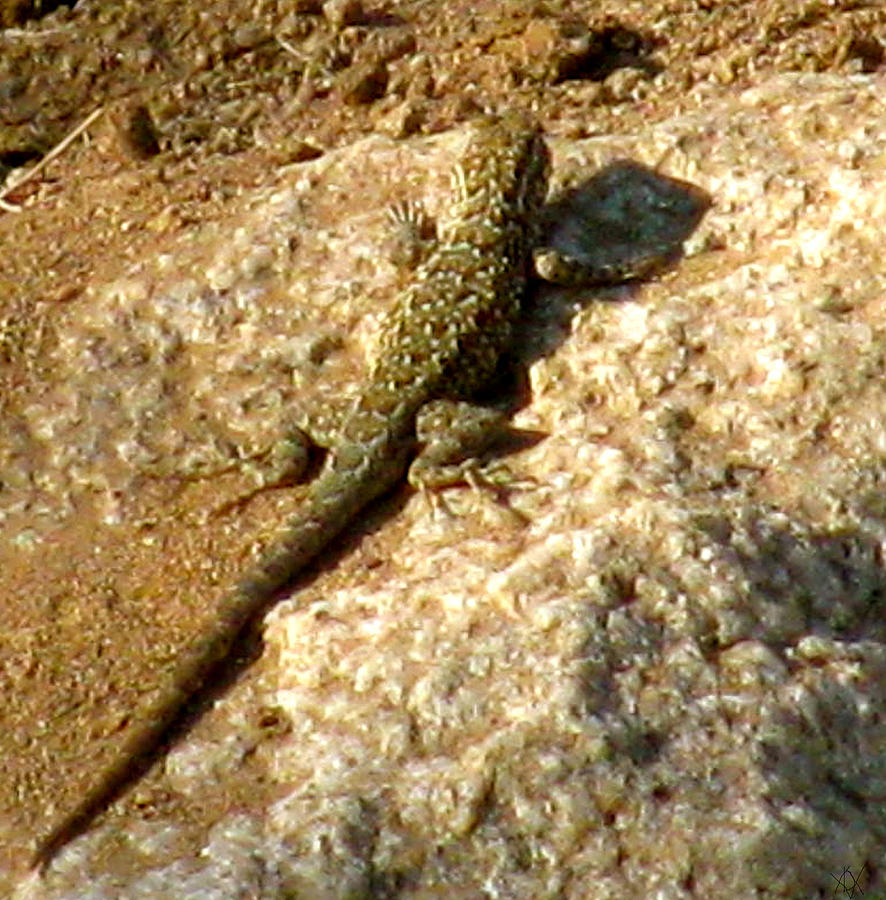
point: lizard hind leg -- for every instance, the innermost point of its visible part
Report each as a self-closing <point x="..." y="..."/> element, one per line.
<point x="288" y="460"/>
<point x="282" y="464"/>
<point x="453" y="437"/>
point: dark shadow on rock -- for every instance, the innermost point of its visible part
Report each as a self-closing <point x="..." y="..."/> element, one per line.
<point x="821" y="747"/>
<point x="628" y="223"/>
<point x="812" y="719"/>
<point x="624" y="215"/>
<point x="805" y="582"/>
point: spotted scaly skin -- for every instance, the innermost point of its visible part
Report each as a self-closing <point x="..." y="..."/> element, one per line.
<point x="443" y="339"/>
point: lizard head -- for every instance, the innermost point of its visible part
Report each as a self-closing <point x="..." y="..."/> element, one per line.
<point x="502" y="178"/>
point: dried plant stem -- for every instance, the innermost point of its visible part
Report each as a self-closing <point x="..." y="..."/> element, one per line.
<point x="56" y="150"/>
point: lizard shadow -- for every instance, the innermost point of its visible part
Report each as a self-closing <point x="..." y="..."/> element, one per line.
<point x="627" y="219"/>
<point x="624" y="225"/>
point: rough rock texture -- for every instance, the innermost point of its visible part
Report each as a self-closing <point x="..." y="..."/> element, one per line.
<point x="658" y="672"/>
<point x="662" y="671"/>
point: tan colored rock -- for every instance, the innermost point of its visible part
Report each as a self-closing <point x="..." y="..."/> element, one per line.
<point x="667" y="674"/>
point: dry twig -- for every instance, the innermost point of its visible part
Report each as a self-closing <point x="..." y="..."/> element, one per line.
<point x="56" y="150"/>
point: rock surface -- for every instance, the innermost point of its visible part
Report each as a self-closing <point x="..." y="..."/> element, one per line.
<point x="660" y="672"/>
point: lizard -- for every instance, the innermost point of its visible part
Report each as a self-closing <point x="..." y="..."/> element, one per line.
<point x="440" y="344"/>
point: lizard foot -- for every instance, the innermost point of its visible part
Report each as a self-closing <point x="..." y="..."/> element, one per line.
<point x="454" y="437"/>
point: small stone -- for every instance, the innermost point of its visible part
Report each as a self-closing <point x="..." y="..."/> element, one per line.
<point x="248" y="37"/>
<point x="403" y="120"/>
<point x="298" y="150"/>
<point x="341" y="13"/>
<point x="625" y="84"/>
<point x="140" y="133"/>
<point x="364" y="82"/>
<point x="415" y="78"/>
